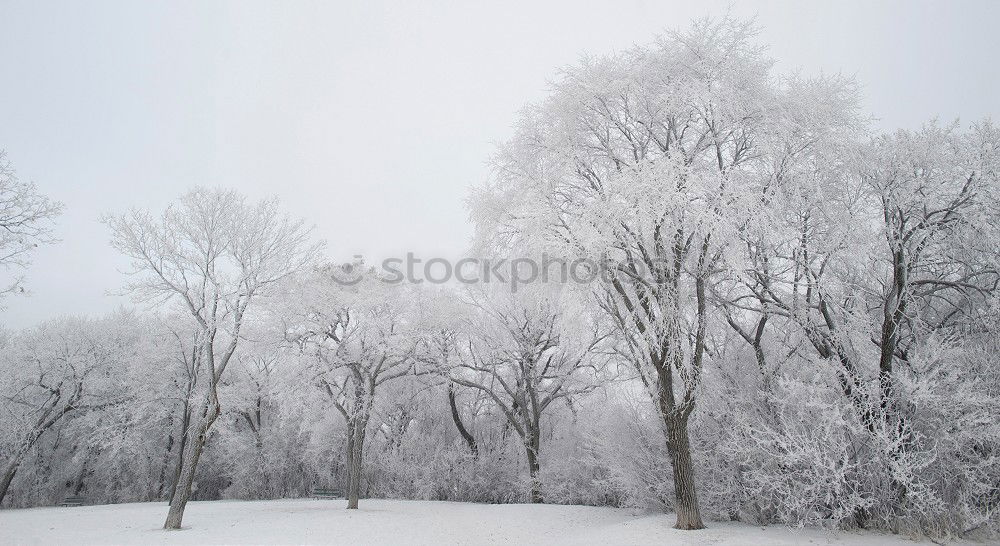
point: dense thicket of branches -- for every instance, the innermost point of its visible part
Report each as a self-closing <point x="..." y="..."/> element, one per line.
<point x="795" y="320"/>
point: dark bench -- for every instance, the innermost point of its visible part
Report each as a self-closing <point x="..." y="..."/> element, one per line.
<point x="72" y="501"/>
<point x="321" y="493"/>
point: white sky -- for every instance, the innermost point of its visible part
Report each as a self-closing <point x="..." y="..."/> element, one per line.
<point x="374" y="121"/>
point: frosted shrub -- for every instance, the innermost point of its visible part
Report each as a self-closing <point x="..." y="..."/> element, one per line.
<point x="427" y="468"/>
<point x="634" y="455"/>
<point x="805" y="468"/>
<point x="952" y="394"/>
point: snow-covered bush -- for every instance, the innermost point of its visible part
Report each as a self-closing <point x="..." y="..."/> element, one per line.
<point x="805" y="467"/>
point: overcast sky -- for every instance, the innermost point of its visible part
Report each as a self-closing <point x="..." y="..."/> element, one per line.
<point x="374" y="121"/>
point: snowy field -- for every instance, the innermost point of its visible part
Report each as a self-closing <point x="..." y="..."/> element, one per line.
<point x="390" y="522"/>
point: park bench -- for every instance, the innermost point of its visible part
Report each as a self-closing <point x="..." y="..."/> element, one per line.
<point x="72" y="501"/>
<point x="321" y="493"/>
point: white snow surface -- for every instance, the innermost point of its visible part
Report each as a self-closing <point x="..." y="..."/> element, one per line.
<point x="390" y="522"/>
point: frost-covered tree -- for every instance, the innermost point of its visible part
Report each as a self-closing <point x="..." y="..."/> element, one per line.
<point x="875" y="249"/>
<point x="57" y="370"/>
<point x="25" y="222"/>
<point x="524" y="358"/>
<point x="647" y="164"/>
<point x="256" y="432"/>
<point x="214" y="253"/>
<point x="354" y="339"/>
<point x="937" y="192"/>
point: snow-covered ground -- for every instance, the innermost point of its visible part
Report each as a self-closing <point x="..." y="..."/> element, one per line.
<point x="307" y="521"/>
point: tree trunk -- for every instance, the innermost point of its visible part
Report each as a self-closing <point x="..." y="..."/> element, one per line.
<point x="685" y="498"/>
<point x="457" y="418"/>
<point x="179" y="467"/>
<point x="190" y="456"/>
<point x="162" y="481"/>
<point x="78" y="488"/>
<point x="8" y="475"/>
<point x="355" y="448"/>
<point x="183" y="436"/>
<point x="531" y="448"/>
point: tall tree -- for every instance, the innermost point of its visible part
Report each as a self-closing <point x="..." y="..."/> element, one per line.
<point x="646" y="165"/>
<point x="214" y="253"/>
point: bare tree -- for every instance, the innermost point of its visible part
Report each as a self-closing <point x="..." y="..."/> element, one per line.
<point x="355" y="337"/>
<point x="520" y="358"/>
<point x="25" y="222"/>
<point x="214" y="253"/>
